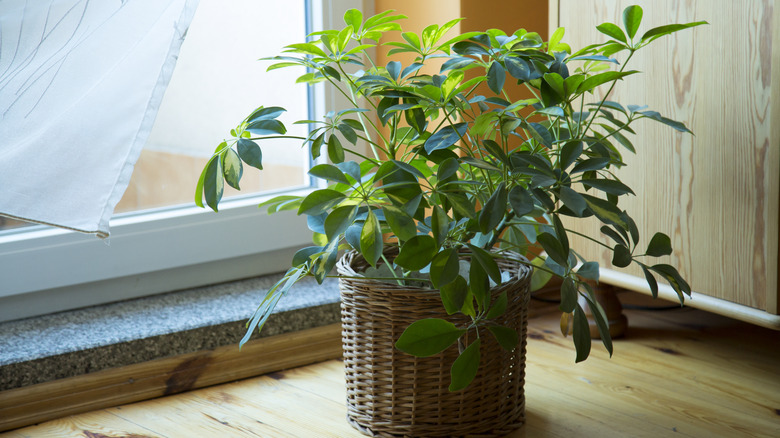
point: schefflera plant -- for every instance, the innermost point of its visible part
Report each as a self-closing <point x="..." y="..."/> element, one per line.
<point x="452" y="169"/>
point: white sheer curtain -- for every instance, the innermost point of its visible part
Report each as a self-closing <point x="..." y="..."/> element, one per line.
<point x="80" y="85"/>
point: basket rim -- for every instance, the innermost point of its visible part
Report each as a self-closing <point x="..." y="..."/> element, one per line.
<point x="347" y="272"/>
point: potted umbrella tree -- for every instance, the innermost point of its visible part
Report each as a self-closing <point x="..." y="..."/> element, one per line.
<point x="461" y="197"/>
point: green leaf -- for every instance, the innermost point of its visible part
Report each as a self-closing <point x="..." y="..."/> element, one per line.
<point x="569" y="295"/>
<point x="339" y="220"/>
<point x="632" y="17"/>
<point x="507" y="337"/>
<point x="319" y="201"/>
<point x="453" y="295"/>
<point x="521" y="201"/>
<point x="265" y="113"/>
<point x="465" y="367"/>
<point x="354" y="18"/>
<point x="581" y="334"/>
<point x="416" y="253"/>
<point x="213" y="183"/>
<point x="232" y="168"/>
<point x="444" y="267"/>
<point x="316" y="145"/>
<point x="553" y="248"/>
<point x="573" y="200"/>
<point x="329" y="172"/>
<point x="589" y="270"/>
<point x="480" y="285"/>
<point x="660" y="31"/>
<point x="610" y="186"/>
<point x="427" y="337"/>
<point x="560" y="233"/>
<point x="600" y="317"/>
<point x="440" y="223"/>
<point x="445" y="137"/>
<point x="651" y="281"/>
<point x="614" y="235"/>
<point x="660" y="245"/>
<point x="541" y="134"/>
<point x="401" y="224"/>
<point x="266" y="127"/>
<point x="307" y="48"/>
<point x="448" y="168"/>
<point x="499" y="307"/>
<point x="496" y="75"/>
<point x="485" y="259"/>
<point x="602" y="78"/>
<point x="606" y="211"/>
<point x="674" y="279"/>
<point x="591" y="164"/>
<point x="335" y="150"/>
<point x="493" y="211"/>
<point x="621" y="256"/>
<point x="371" y="239"/>
<point x="611" y="30"/>
<point x="250" y="152"/>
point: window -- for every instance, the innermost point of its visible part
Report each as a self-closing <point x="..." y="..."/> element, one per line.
<point x="160" y="241"/>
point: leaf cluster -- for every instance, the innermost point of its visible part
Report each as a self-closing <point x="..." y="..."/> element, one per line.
<point x="452" y="170"/>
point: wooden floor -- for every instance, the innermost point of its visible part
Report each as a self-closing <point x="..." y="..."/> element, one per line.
<point x="680" y="373"/>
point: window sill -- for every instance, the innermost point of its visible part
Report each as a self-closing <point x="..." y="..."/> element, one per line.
<point x="78" y="342"/>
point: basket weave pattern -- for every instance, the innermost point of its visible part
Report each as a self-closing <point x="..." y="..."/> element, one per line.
<point x="392" y="394"/>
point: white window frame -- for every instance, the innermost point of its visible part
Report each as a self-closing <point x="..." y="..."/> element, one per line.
<point x="45" y="270"/>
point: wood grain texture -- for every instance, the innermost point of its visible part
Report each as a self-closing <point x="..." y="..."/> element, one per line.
<point x="28" y="405"/>
<point x="678" y="373"/>
<point x="716" y="193"/>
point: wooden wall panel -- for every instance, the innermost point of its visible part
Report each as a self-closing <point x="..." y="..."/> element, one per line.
<point x="715" y="193"/>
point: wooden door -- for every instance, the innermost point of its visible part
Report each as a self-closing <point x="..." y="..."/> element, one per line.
<point x="716" y="193"/>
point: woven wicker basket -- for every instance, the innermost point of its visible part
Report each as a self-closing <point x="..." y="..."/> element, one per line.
<point x="392" y="394"/>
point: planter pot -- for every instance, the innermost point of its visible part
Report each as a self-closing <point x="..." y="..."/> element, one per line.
<point x="391" y="393"/>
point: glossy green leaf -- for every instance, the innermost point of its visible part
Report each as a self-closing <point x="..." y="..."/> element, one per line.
<point x="427" y="337"/>
<point x="445" y="137"/>
<point x="307" y="48"/>
<point x="569" y="295"/>
<point x="319" y="201"/>
<point x="448" y="168"/>
<point x="371" y="239"/>
<point x="265" y="113"/>
<point x="416" y="253"/>
<point x="465" y="367"/>
<point x="354" y="18"/>
<point x="660" y="245"/>
<point x="479" y="285"/>
<point x="444" y="267"/>
<point x="250" y="152"/>
<point x="605" y="211"/>
<point x="581" y="334"/>
<point x="591" y="164"/>
<point x="440" y="223"/>
<point x="660" y="31"/>
<point x="621" y="256"/>
<point x="496" y="75"/>
<point x="499" y="307"/>
<point x="401" y="224"/>
<point x="632" y="17"/>
<point x="335" y="150"/>
<point x="573" y="200"/>
<point x="488" y="263"/>
<point x="266" y="127"/>
<point x="589" y="270"/>
<point x="560" y="233"/>
<point x="610" y="186"/>
<point x="329" y="172"/>
<point x="213" y="183"/>
<point x="651" y="281"/>
<point x="232" y="169"/>
<point x="553" y="248"/>
<point x="339" y="220"/>
<point x="602" y="78"/>
<point x="453" y="295"/>
<point x="493" y="211"/>
<point x="507" y="337"/>
<point x="541" y="134"/>
<point x="613" y="31"/>
<point x="600" y="317"/>
<point x="521" y="201"/>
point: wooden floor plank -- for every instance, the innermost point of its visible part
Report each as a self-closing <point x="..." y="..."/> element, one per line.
<point x="97" y="424"/>
<point x="679" y="373"/>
